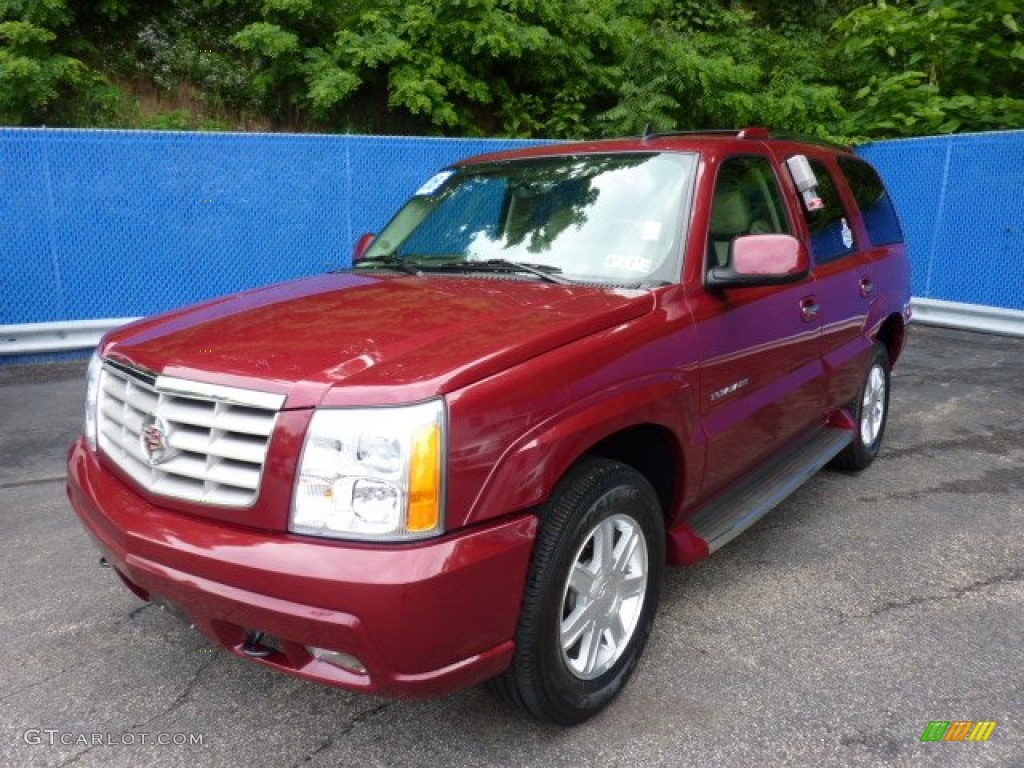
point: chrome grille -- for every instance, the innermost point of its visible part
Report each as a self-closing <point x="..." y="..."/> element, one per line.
<point x="212" y="439"/>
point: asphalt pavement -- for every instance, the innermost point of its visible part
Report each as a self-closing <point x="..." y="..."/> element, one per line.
<point x="830" y="634"/>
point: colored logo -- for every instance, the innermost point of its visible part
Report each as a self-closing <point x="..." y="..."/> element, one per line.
<point x="958" y="730"/>
<point x="153" y="440"/>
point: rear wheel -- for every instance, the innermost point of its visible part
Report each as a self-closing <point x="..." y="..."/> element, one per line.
<point x="871" y="411"/>
<point x="591" y="594"/>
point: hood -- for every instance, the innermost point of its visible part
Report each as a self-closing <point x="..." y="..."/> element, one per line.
<point x="370" y="339"/>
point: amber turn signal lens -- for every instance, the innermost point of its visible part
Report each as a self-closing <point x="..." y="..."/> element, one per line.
<point x="425" y="480"/>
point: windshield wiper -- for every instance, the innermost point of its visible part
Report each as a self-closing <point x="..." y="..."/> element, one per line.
<point x="545" y="272"/>
<point x="390" y="261"/>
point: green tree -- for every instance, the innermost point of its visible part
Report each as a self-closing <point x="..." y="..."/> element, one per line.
<point x="692" y="65"/>
<point x="39" y="80"/>
<point x="934" y="66"/>
<point x="468" y="66"/>
<point x="563" y="68"/>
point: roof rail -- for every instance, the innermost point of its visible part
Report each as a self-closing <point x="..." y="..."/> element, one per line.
<point x="808" y="139"/>
<point x="753" y="132"/>
<point x="648" y="134"/>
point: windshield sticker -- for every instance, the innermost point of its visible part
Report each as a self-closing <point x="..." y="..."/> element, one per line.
<point x="847" y="235"/>
<point x="434" y="183"/>
<point x="651" y="231"/>
<point x="628" y="262"/>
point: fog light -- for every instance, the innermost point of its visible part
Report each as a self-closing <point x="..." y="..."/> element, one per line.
<point x="338" y="659"/>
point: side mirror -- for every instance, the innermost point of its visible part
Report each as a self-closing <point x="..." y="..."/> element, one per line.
<point x="756" y="260"/>
<point x="362" y="246"/>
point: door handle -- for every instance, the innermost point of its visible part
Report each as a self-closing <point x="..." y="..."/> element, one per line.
<point x="809" y="309"/>
<point x="866" y="287"/>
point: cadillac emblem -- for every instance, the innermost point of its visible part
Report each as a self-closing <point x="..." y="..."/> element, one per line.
<point x="153" y="440"/>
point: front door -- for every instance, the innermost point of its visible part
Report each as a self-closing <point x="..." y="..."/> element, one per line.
<point x="761" y="377"/>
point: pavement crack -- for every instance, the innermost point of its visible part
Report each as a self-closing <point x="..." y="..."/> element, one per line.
<point x="35" y="684"/>
<point x="1007" y="577"/>
<point x="1002" y="480"/>
<point x="32" y="481"/>
<point x="881" y="744"/>
<point x="321" y="747"/>
<point x="76" y="757"/>
<point x="181" y="698"/>
<point x="356" y="720"/>
<point x="994" y="441"/>
<point x="361" y="717"/>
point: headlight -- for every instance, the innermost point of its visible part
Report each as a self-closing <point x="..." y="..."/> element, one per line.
<point x="92" y="391"/>
<point x="373" y="473"/>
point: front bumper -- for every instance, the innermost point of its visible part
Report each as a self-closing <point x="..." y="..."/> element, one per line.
<point x="424" y="619"/>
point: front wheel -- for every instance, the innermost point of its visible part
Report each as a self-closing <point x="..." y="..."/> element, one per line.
<point x="871" y="411"/>
<point x="591" y="594"/>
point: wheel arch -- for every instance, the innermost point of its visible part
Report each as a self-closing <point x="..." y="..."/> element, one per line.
<point x="892" y="333"/>
<point x="652" y="429"/>
<point x="653" y="451"/>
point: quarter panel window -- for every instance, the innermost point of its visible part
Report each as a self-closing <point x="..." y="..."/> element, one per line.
<point x="875" y="205"/>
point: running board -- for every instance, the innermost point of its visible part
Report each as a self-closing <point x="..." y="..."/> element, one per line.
<point x="737" y="509"/>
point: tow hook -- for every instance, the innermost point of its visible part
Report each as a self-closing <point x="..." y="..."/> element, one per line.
<point x="254" y="647"/>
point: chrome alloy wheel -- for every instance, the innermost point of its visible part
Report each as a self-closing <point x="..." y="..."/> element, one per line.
<point x="603" y="596"/>
<point x="872" y="407"/>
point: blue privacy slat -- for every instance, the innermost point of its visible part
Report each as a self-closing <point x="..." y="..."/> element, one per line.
<point x="123" y="223"/>
<point x="961" y="199"/>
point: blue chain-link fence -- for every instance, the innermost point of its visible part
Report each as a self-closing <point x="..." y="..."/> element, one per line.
<point x="125" y="223"/>
<point x="122" y="223"/>
<point x="961" y="199"/>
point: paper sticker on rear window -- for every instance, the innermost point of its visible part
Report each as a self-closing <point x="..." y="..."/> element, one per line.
<point x="847" y="234"/>
<point x="434" y="183"/>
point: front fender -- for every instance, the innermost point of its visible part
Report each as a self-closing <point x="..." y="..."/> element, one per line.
<point x="527" y="471"/>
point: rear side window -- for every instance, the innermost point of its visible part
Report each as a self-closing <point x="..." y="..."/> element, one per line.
<point x="875" y="206"/>
<point x="831" y="234"/>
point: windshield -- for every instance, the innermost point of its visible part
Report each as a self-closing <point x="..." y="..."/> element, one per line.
<point x="615" y="218"/>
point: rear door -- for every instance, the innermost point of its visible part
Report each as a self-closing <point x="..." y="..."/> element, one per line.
<point x="844" y="275"/>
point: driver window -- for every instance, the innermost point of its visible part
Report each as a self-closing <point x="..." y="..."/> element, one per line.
<point x="746" y="202"/>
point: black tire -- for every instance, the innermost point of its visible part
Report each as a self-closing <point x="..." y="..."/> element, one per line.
<point x="871" y="412"/>
<point x="600" y="505"/>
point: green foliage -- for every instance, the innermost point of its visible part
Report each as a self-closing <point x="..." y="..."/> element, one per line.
<point x="933" y="67"/>
<point x="182" y="120"/>
<point x="36" y="77"/>
<point x="690" y="73"/>
<point x="565" y="68"/>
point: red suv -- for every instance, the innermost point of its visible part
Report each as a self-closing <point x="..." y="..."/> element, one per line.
<point x="471" y="455"/>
